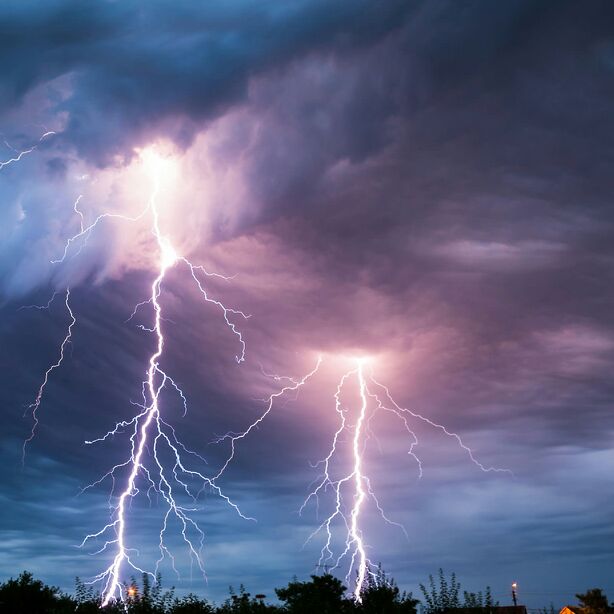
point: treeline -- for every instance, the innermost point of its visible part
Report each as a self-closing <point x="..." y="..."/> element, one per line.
<point x="322" y="594"/>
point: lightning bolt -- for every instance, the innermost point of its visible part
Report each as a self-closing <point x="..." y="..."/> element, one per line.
<point x="33" y="407"/>
<point x="293" y="386"/>
<point x="20" y="154"/>
<point x="152" y="437"/>
<point x="353" y="489"/>
<point x="153" y="440"/>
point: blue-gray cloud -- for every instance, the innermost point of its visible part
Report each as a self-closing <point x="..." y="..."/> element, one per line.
<point x="131" y="66"/>
<point x="432" y="180"/>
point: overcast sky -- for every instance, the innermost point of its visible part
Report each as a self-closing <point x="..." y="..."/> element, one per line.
<point x="425" y="183"/>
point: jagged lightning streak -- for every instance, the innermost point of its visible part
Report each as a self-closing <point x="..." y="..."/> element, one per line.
<point x="293" y="386"/>
<point x="168" y="257"/>
<point x="354" y="489"/>
<point x="151" y="436"/>
<point x="150" y="429"/>
<point x="33" y="407"/>
<point x="359" y="483"/>
<point x="355" y="485"/>
<point x="20" y="154"/>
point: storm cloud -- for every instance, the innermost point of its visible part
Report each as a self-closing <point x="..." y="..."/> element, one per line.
<point x="428" y="183"/>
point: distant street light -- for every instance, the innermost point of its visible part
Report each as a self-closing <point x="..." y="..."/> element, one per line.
<point x="514" y="587"/>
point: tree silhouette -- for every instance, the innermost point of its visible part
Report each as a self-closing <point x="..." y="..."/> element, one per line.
<point x="442" y="598"/>
<point x="323" y="594"/>
<point x="244" y="603"/>
<point x="445" y="597"/>
<point x="191" y="604"/>
<point x="593" y="601"/>
<point x="28" y="595"/>
<point x="381" y="595"/>
<point x="479" y="603"/>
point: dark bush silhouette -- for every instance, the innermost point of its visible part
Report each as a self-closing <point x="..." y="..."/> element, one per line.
<point x="443" y="597"/>
<point x="191" y="604"/>
<point x="323" y="594"/>
<point x="446" y="597"/>
<point x="381" y="595"/>
<point x="594" y="601"/>
<point x="32" y="596"/>
<point x="244" y="603"/>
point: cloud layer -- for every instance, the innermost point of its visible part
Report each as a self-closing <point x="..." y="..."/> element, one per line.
<point x="426" y="183"/>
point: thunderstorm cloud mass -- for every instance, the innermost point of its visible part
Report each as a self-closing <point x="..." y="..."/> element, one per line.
<point x="417" y="192"/>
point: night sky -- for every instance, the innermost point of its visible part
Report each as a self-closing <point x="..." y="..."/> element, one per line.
<point x="428" y="184"/>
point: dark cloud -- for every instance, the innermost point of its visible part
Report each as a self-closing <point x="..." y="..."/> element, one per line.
<point x="426" y="182"/>
<point x="133" y="66"/>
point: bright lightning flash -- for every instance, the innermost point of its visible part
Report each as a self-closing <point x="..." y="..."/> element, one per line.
<point x="152" y="438"/>
<point x="353" y="490"/>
